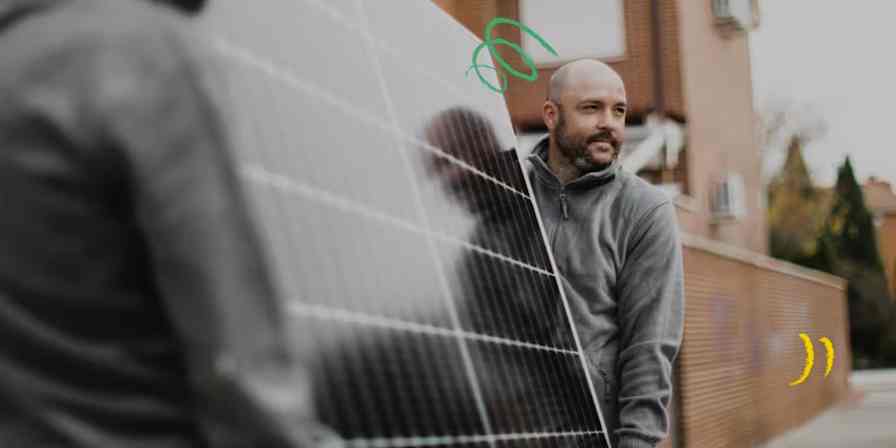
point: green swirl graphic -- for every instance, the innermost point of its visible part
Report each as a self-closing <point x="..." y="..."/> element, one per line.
<point x="491" y="43"/>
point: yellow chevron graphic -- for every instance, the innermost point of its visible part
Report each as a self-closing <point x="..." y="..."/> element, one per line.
<point x="810" y="357"/>
<point x="829" y="348"/>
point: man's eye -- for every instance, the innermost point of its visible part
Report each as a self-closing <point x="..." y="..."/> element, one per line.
<point x="620" y="112"/>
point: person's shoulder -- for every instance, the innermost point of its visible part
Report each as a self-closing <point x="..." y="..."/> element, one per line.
<point x="99" y="38"/>
<point x="639" y="196"/>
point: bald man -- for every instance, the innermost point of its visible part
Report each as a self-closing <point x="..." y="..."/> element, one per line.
<point x="616" y="244"/>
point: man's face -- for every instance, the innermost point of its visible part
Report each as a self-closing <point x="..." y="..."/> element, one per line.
<point x="590" y="124"/>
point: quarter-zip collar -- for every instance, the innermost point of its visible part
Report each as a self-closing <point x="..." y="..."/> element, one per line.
<point x="539" y="158"/>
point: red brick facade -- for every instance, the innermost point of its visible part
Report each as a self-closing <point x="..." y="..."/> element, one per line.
<point x="721" y="126"/>
<point x="881" y="201"/>
<point x="706" y="84"/>
<point x="743" y="316"/>
<point x="524" y="99"/>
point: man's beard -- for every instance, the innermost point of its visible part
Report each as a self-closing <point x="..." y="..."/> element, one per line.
<point x="576" y="148"/>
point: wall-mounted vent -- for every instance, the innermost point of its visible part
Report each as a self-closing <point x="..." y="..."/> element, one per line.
<point x="740" y="15"/>
<point x="728" y="198"/>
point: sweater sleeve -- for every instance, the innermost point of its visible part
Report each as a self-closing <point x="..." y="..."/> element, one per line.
<point x="208" y="265"/>
<point x="650" y="293"/>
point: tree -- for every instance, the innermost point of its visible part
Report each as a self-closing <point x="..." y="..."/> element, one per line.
<point x="847" y="248"/>
<point x="780" y="122"/>
<point x="796" y="210"/>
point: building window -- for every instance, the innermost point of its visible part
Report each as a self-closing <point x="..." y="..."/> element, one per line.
<point x="575" y="28"/>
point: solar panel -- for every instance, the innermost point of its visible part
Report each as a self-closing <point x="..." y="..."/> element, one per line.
<point x="399" y="226"/>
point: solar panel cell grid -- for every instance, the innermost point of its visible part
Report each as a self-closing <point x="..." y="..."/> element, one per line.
<point x="399" y="227"/>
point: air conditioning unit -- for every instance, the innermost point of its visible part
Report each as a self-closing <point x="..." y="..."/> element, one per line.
<point x="741" y="15"/>
<point x="728" y="198"/>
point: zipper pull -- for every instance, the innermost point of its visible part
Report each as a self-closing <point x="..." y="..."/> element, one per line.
<point x="563" y="206"/>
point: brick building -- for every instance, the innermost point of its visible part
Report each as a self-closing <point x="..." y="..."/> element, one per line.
<point x="686" y="68"/>
<point x="881" y="201"/>
<point x="679" y="63"/>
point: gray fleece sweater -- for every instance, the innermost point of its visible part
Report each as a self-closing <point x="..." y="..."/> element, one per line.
<point x="616" y="243"/>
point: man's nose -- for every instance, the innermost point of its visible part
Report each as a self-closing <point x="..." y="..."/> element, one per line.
<point x="603" y="120"/>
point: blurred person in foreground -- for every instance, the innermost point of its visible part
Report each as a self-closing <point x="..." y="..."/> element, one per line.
<point x="616" y="243"/>
<point x="135" y="307"/>
<point x="526" y="389"/>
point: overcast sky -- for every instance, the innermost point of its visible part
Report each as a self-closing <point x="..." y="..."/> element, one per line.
<point x="834" y="57"/>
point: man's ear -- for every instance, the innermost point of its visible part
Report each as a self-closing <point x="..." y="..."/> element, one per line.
<point x="549" y="114"/>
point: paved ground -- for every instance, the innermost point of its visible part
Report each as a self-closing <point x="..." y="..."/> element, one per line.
<point x="868" y="424"/>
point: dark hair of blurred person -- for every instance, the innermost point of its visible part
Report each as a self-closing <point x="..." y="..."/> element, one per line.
<point x="467" y="136"/>
<point x="190" y="6"/>
<point x="135" y="308"/>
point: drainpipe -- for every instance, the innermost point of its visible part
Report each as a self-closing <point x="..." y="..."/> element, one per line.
<point x="656" y="25"/>
<point x="659" y="94"/>
<point x="659" y="108"/>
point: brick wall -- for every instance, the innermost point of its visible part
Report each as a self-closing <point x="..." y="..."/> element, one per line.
<point x="741" y="348"/>
<point x="881" y="201"/>
<point x="886" y="243"/>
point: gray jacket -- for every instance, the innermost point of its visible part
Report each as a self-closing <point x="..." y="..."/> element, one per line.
<point x="135" y="307"/>
<point x="616" y="244"/>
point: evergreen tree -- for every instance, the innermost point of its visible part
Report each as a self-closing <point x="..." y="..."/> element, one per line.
<point x="848" y="249"/>
<point x="888" y="342"/>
